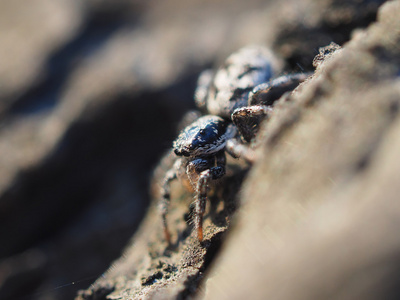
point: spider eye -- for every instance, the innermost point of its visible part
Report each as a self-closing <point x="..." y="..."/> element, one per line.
<point x="202" y="131"/>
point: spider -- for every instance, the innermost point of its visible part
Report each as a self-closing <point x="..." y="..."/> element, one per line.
<point x="236" y="98"/>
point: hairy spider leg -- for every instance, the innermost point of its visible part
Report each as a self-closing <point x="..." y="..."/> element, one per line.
<point x="196" y="166"/>
<point x="202" y="189"/>
<point x="267" y="93"/>
<point x="247" y="119"/>
<point x="199" y="171"/>
<point x="171" y="175"/>
<point x="238" y="150"/>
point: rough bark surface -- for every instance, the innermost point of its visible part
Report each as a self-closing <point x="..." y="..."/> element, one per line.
<point x="319" y="210"/>
<point x="90" y="100"/>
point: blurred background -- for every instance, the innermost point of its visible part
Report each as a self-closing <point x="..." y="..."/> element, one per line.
<point x="90" y="96"/>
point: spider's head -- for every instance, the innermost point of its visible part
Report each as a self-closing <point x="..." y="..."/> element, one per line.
<point x="205" y="136"/>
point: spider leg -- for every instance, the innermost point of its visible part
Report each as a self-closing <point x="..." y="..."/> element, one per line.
<point x="195" y="167"/>
<point x="247" y="120"/>
<point x="238" y="150"/>
<point x="267" y="93"/>
<point x="171" y="175"/>
<point x="204" y="179"/>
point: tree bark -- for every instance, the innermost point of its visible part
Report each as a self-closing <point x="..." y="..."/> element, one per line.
<point x="317" y="215"/>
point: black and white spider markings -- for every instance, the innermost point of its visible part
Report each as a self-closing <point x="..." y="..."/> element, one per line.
<point x="237" y="97"/>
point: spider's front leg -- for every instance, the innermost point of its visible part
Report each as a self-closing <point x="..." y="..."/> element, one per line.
<point x="236" y="149"/>
<point x="247" y="119"/>
<point x="206" y="171"/>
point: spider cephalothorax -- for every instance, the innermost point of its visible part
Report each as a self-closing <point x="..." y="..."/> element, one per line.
<point x="237" y="97"/>
<point x="203" y="137"/>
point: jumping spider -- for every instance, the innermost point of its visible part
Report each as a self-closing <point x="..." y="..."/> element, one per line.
<point x="237" y="97"/>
